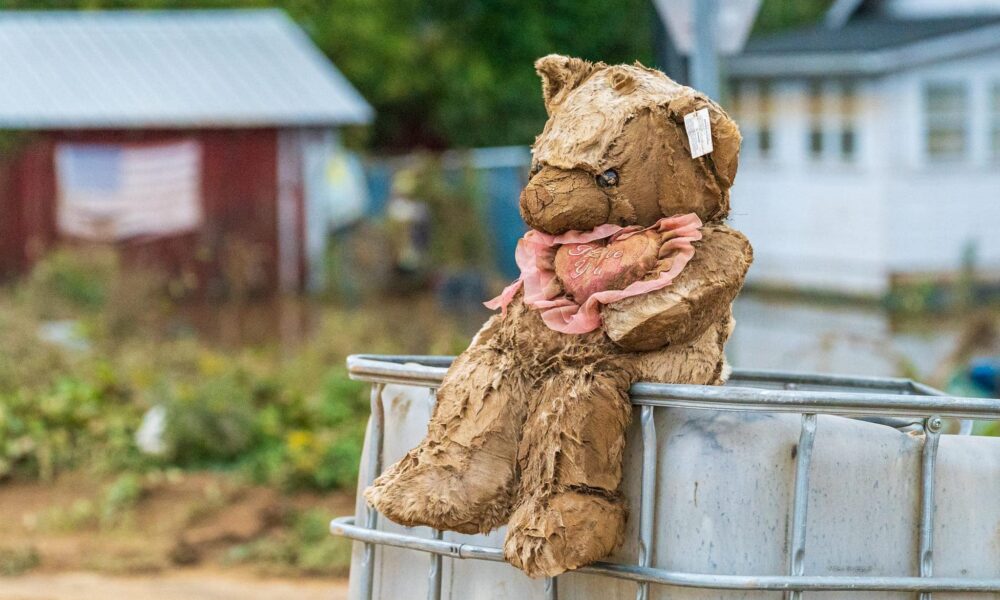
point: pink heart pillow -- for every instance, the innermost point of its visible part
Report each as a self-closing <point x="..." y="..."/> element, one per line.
<point x="587" y="268"/>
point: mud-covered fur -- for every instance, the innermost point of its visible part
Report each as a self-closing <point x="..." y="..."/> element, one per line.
<point x="529" y="426"/>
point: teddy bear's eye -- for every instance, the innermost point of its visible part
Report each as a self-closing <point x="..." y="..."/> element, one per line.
<point x="535" y="168"/>
<point x="608" y="178"/>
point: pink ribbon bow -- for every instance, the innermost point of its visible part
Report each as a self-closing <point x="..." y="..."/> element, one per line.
<point x="535" y="253"/>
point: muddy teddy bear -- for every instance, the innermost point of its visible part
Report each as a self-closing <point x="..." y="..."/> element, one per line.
<point x="627" y="274"/>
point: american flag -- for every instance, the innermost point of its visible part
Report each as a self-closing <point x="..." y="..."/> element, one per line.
<point x="119" y="191"/>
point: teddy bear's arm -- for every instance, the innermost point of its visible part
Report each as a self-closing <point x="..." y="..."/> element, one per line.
<point x="700" y="295"/>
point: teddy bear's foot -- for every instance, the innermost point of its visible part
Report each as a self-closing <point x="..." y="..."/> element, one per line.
<point x="429" y="488"/>
<point x="463" y="475"/>
<point x="550" y="535"/>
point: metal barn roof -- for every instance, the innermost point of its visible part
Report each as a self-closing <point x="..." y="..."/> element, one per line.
<point x="133" y="69"/>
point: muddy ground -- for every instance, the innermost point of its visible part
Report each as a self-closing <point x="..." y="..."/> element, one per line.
<point x="186" y="537"/>
<point x="196" y="584"/>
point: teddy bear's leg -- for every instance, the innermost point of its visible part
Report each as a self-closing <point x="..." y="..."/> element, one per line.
<point x="463" y="475"/>
<point x="571" y="511"/>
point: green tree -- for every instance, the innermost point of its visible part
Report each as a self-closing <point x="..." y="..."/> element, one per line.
<point x="458" y="72"/>
<point x="776" y="15"/>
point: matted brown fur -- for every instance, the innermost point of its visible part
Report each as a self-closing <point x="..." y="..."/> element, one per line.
<point x="529" y="426"/>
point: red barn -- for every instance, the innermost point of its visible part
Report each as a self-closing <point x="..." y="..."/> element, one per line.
<point x="188" y="138"/>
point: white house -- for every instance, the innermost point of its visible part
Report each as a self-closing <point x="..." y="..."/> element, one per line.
<point x="871" y="145"/>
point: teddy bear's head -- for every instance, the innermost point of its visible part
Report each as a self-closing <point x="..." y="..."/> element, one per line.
<point x="615" y="150"/>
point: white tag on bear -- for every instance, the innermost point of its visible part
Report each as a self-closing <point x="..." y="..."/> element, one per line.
<point x="699" y="130"/>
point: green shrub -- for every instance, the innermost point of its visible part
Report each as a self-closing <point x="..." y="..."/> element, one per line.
<point x="18" y="560"/>
<point x="308" y="548"/>
<point x="312" y="441"/>
<point x="119" y="499"/>
<point x="72" y="422"/>
<point x="72" y="279"/>
<point x="454" y="200"/>
<point x="81" y="514"/>
<point x="26" y="363"/>
<point x="212" y="422"/>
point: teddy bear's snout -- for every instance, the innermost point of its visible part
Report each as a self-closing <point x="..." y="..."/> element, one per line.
<point x="534" y="199"/>
<point x="558" y="200"/>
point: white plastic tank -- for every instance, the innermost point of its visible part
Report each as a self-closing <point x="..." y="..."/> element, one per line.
<point x="723" y="505"/>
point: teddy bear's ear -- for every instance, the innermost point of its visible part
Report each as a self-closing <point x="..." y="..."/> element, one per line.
<point x="560" y="74"/>
<point x="726" y="140"/>
<point x="725" y="135"/>
<point x="622" y="81"/>
<point x="718" y="168"/>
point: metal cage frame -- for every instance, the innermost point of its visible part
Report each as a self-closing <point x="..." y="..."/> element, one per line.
<point x="895" y="402"/>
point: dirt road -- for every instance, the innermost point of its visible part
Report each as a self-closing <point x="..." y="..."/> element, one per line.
<point x="184" y="585"/>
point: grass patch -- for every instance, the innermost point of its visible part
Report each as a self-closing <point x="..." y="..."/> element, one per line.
<point x="18" y="560"/>
<point x="304" y="548"/>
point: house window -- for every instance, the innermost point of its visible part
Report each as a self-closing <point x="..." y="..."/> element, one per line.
<point x="751" y="103"/>
<point x="946" y="106"/>
<point x="995" y="126"/>
<point x="848" y="121"/>
<point x="832" y="117"/>
<point x="815" y="120"/>
<point x="766" y="110"/>
<point x="735" y="99"/>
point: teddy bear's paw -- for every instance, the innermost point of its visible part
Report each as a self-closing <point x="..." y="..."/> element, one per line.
<point x="474" y="499"/>
<point x="550" y="535"/>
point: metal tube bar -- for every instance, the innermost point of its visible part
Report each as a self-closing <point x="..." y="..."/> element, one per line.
<point x="434" y="574"/>
<point x="647" y="499"/>
<point x="732" y="398"/>
<point x="374" y="468"/>
<point x="359" y="364"/>
<point x="344" y="526"/>
<point x="704" y="60"/>
<point x="800" y="500"/>
<point x="836" y="403"/>
<point x="924" y="390"/>
<point x="928" y="466"/>
<point x="965" y="427"/>
<point x="551" y="588"/>
<point x="820" y="379"/>
<point x="431" y="360"/>
<point x="895" y="422"/>
<point x="391" y="371"/>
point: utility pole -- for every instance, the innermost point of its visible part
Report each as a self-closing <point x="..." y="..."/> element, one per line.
<point x="668" y="58"/>
<point x="704" y="63"/>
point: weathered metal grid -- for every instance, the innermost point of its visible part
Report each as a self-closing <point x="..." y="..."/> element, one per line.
<point x="878" y="397"/>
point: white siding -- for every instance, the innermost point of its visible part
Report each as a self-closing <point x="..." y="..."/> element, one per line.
<point x="823" y="224"/>
<point x="940" y="209"/>
<point x="813" y="224"/>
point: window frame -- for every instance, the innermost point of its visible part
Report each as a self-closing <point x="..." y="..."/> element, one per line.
<point x="993" y="112"/>
<point x="749" y="104"/>
<point x="765" y="118"/>
<point x="816" y="124"/>
<point x="847" y="122"/>
<point x="945" y="120"/>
